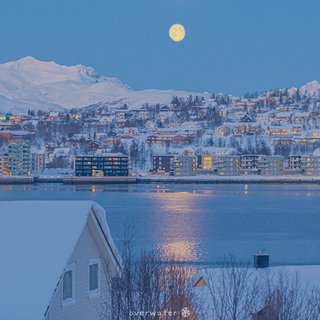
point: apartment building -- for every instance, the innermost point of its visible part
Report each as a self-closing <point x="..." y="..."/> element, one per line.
<point x="37" y="160"/>
<point x="249" y="164"/>
<point x="310" y="165"/>
<point x="4" y="162"/>
<point x="112" y="164"/>
<point x="270" y="165"/>
<point x="262" y="165"/>
<point x="205" y="162"/>
<point x="19" y="159"/>
<point x="227" y="165"/>
<point x="294" y="164"/>
<point x="161" y="164"/>
<point x="183" y="166"/>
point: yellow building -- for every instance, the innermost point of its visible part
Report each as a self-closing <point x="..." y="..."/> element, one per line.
<point x="4" y="165"/>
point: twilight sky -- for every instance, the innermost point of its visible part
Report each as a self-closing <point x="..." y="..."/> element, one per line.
<point x="231" y="45"/>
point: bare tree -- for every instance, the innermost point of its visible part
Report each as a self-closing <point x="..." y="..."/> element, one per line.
<point x="233" y="291"/>
<point x="238" y="292"/>
<point x="283" y="297"/>
<point x="149" y="287"/>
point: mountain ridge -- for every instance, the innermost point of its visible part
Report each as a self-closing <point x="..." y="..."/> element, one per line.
<point x="29" y="83"/>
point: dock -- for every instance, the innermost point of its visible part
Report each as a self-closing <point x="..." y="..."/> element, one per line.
<point x="99" y="180"/>
<point x="212" y="179"/>
<point x="16" y="180"/>
<point x="208" y="179"/>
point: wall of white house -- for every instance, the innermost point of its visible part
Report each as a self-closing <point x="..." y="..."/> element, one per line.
<point x="84" y="306"/>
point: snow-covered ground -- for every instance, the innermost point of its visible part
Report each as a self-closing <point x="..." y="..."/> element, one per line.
<point x="308" y="275"/>
<point x="245" y="290"/>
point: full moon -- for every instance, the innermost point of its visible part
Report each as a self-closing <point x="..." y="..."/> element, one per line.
<point x="177" y="32"/>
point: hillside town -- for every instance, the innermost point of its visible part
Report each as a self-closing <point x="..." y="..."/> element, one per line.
<point x="274" y="133"/>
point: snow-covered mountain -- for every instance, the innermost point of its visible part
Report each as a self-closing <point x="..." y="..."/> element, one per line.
<point x="32" y="84"/>
<point x="311" y="89"/>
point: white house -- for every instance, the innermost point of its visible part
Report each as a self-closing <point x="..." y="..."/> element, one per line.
<point x="56" y="259"/>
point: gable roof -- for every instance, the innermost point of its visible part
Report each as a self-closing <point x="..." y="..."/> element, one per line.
<point x="201" y="282"/>
<point x="36" y="240"/>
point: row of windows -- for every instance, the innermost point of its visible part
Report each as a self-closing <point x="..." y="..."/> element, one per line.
<point x="99" y="162"/>
<point x="104" y="170"/>
<point x="101" y="167"/>
<point x="94" y="281"/>
<point x="103" y="159"/>
<point x="122" y="173"/>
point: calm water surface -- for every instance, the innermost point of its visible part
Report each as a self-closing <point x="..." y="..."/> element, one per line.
<point x="201" y="222"/>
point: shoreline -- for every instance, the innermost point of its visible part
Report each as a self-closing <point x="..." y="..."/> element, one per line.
<point x="163" y="179"/>
<point x="232" y="179"/>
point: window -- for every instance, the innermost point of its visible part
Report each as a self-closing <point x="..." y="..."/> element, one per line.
<point x="94" y="277"/>
<point x="68" y="285"/>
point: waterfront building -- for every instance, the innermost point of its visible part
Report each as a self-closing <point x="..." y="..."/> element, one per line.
<point x="228" y="165"/>
<point x="19" y="159"/>
<point x="161" y="164"/>
<point x="183" y="165"/>
<point x="249" y="164"/>
<point x="4" y="161"/>
<point x="270" y="165"/>
<point x="37" y="160"/>
<point x="224" y="165"/>
<point x="205" y="162"/>
<point x="262" y="165"/>
<point x="294" y="164"/>
<point x="112" y="164"/>
<point x="310" y="165"/>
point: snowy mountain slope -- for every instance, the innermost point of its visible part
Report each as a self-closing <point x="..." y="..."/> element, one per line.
<point x="21" y="107"/>
<point x="32" y="84"/>
<point x="311" y="89"/>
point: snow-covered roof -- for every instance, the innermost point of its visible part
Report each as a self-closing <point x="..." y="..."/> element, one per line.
<point x="316" y="153"/>
<point x="241" y="124"/>
<point x="284" y="114"/>
<point x="61" y="151"/>
<point x="287" y="126"/>
<point x="308" y="276"/>
<point x="302" y="114"/>
<point x="36" y="240"/>
<point x="218" y="151"/>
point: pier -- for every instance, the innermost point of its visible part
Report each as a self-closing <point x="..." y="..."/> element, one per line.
<point x="16" y="180"/>
<point x="99" y="180"/>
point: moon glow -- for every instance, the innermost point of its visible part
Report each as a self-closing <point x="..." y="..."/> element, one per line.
<point x="177" y="32"/>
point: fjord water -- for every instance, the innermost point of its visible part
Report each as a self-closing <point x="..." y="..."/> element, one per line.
<point x="201" y="223"/>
